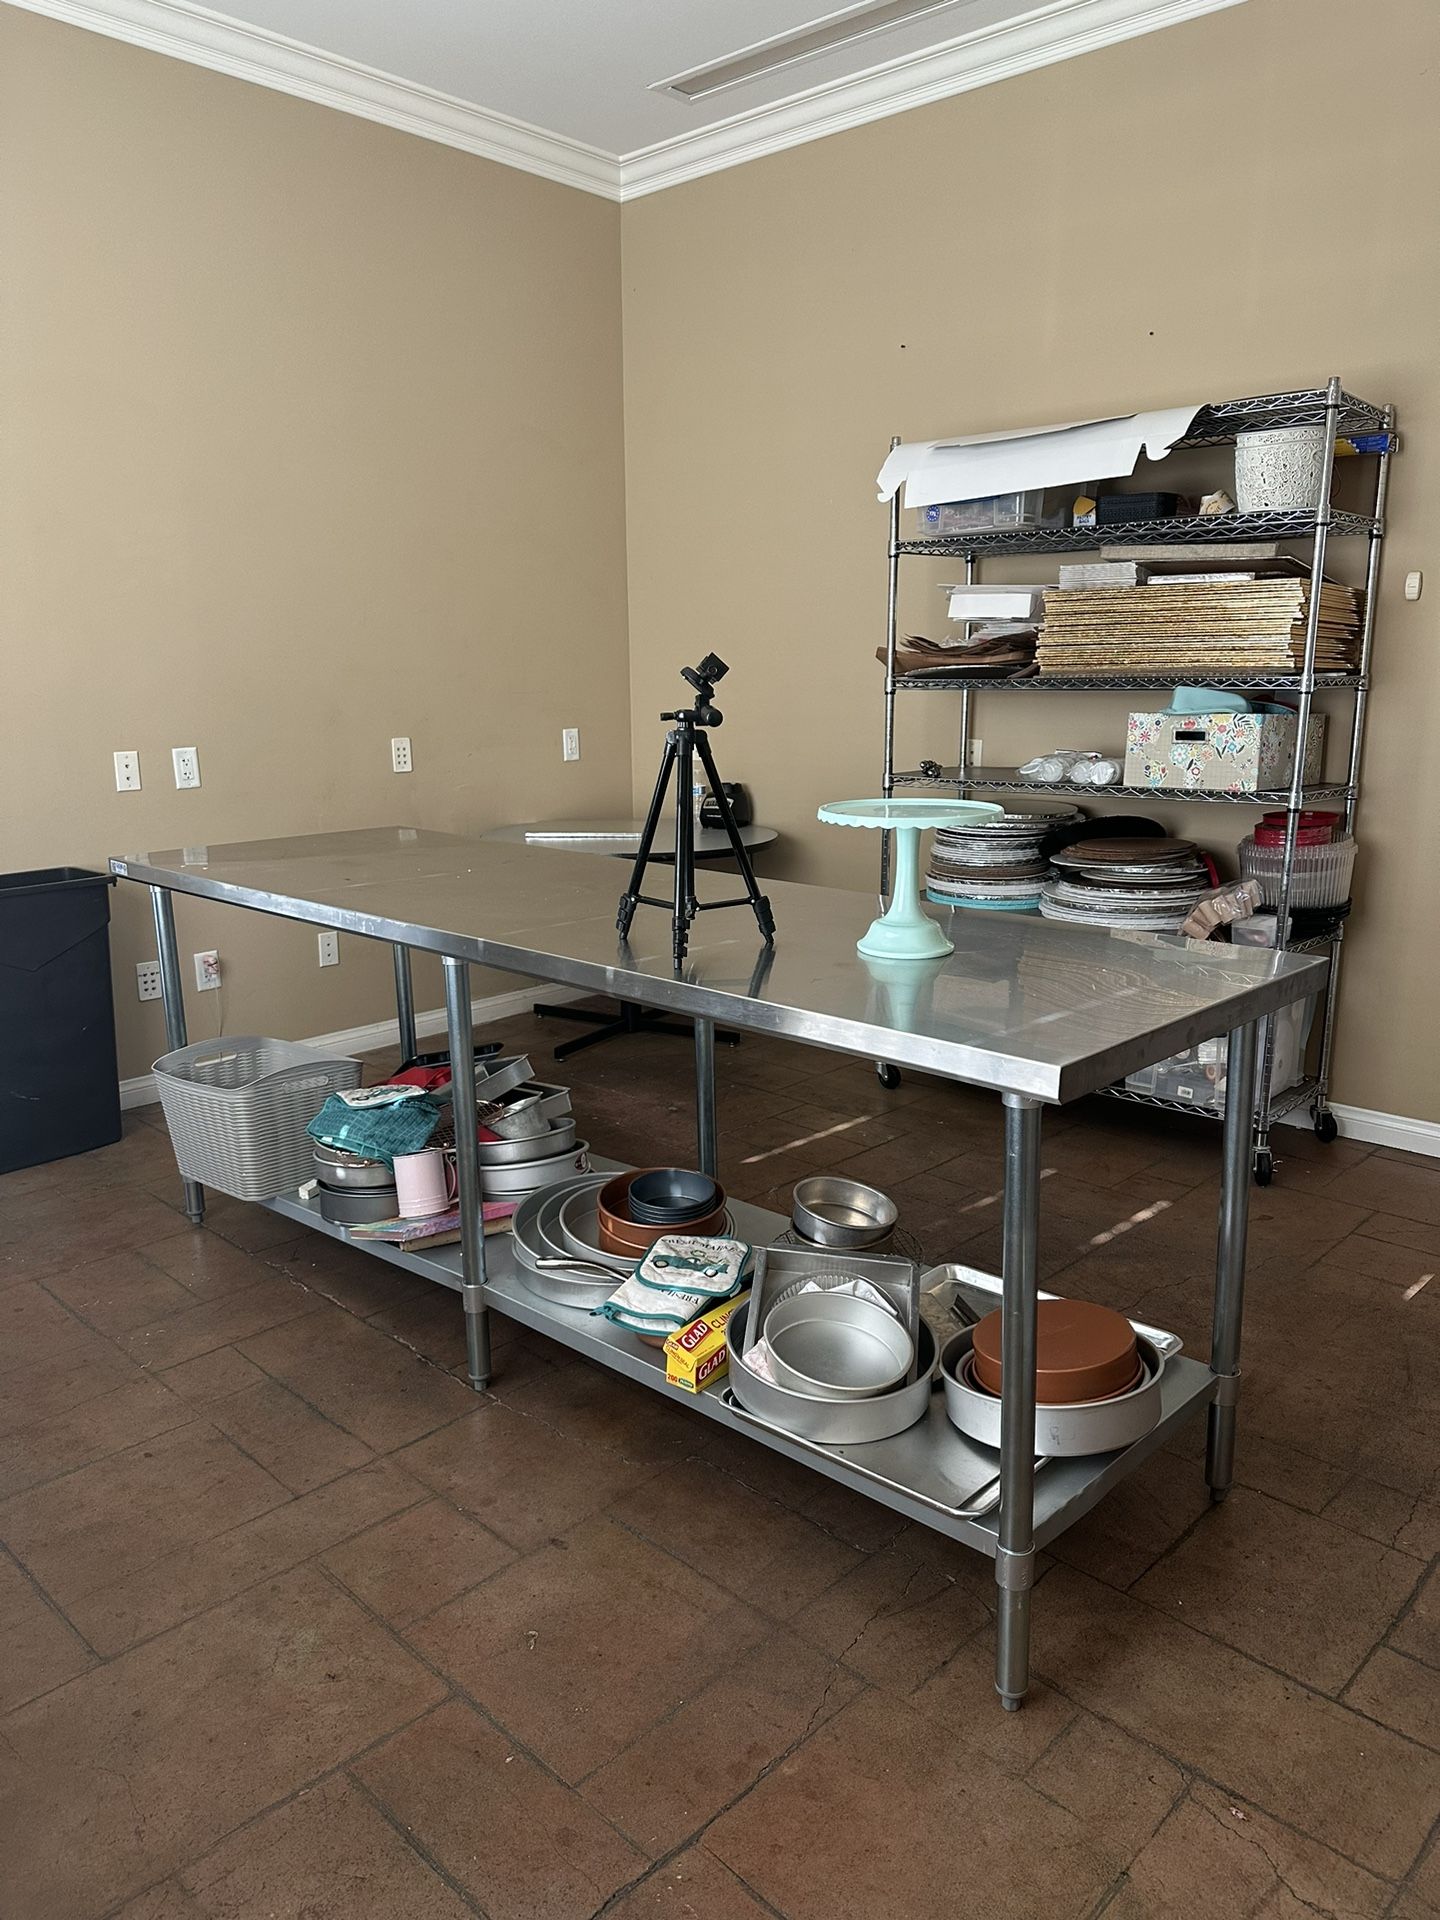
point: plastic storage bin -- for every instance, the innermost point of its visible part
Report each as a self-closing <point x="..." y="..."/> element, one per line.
<point x="57" y="1023"/>
<point x="1320" y="876"/>
<point x="1196" y="1077"/>
<point x="996" y="510"/>
<point x="238" y="1109"/>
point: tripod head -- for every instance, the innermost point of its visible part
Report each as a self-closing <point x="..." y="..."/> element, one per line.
<point x="702" y="679"/>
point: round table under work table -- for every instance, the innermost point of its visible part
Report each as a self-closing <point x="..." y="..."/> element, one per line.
<point x="621" y="840"/>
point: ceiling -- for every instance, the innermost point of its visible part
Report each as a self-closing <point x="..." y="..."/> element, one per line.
<point x="565" y="87"/>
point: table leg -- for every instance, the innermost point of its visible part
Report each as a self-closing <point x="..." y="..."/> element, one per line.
<point x="705" y="1096"/>
<point x="1015" y="1556"/>
<point x="404" y="1001"/>
<point x="467" y="1171"/>
<point x="172" y="996"/>
<point x="1240" y="1072"/>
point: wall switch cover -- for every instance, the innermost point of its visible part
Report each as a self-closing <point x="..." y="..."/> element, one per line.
<point x="570" y="743"/>
<point x="329" y="944"/>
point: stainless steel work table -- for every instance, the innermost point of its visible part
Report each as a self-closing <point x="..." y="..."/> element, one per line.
<point x="1038" y="1012"/>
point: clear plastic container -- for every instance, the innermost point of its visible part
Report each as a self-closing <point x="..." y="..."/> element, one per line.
<point x="1197" y="1077"/>
<point x="995" y="511"/>
<point x="1319" y="878"/>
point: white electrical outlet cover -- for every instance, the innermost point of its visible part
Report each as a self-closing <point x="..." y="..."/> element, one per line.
<point x="187" y="766"/>
<point x="147" y="979"/>
<point x="401" y="758"/>
<point x="329" y="945"/>
<point x="127" y="771"/>
<point x="207" y="971"/>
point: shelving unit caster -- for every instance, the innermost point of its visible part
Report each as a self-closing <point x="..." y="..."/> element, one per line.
<point x="888" y="1076"/>
<point x="1327" y="1128"/>
<point x="1264" y="1167"/>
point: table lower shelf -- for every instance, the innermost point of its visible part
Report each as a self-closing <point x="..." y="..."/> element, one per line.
<point x="923" y="1473"/>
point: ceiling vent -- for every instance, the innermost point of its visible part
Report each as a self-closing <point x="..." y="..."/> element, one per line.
<point x="805" y="43"/>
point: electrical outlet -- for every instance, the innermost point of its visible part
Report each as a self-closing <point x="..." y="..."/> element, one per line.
<point x="975" y="756"/>
<point x="400" y="759"/>
<point x="187" y="766"/>
<point x="147" y="979"/>
<point x="570" y="743"/>
<point x="329" y="944"/>
<point x="207" y="971"/>
<point x="127" y="771"/>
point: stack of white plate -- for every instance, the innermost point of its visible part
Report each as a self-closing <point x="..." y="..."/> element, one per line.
<point x="995" y="864"/>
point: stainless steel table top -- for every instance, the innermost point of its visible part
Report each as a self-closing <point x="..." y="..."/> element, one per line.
<point x="1023" y="1005"/>
<point x="621" y="838"/>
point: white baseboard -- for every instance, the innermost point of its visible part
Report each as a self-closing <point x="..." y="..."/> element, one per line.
<point x="1379" y="1129"/>
<point x="140" y="1092"/>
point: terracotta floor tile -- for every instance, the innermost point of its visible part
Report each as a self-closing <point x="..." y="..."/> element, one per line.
<point x="364" y="1382"/>
<point x="250" y="1228"/>
<point x="1137" y="1521"/>
<point x="760" y="1468"/>
<point x="290" y="1440"/>
<point x="762" y="1552"/>
<point x="51" y="1233"/>
<point x="36" y="1329"/>
<point x="692" y="1886"/>
<point x="327" y="1855"/>
<point x="1380" y="1513"/>
<point x="961" y="1699"/>
<point x="893" y="1620"/>
<point x="582" y="1646"/>
<point x="346" y="1275"/>
<point x="185" y="1582"/>
<point x="1400" y="1693"/>
<point x="521" y="1844"/>
<point x="52" y="1388"/>
<point x="672" y="1780"/>
<point x="602" y="1409"/>
<point x="139" y="1409"/>
<point x="1120" y="1788"/>
<point x="1311" y="1763"/>
<point x="417" y="1561"/>
<point x="852" y="1517"/>
<point x="213" y="1376"/>
<point x="433" y="1325"/>
<point x="1420" y="1534"/>
<point x="118" y="1778"/>
<point x="206" y="1264"/>
<point x="847" y="1782"/>
<point x="1250" y="1574"/>
<point x="93" y="1527"/>
<point x="1391" y="1186"/>
<point x="1214" y="1859"/>
<point x="523" y="1480"/>
<point x="218" y="1323"/>
<point x="1425" y="1881"/>
<point x="1269" y="1466"/>
<point x="119" y="1292"/>
<point x="168" y="1901"/>
<point x="1368" y="1255"/>
<point x="1077" y="1218"/>
<point x="1418" y="1631"/>
<point x="41" y="1649"/>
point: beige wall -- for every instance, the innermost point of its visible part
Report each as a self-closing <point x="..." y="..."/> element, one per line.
<point x="312" y="436"/>
<point x="1242" y="203"/>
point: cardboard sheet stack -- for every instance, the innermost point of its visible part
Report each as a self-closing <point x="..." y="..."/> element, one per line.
<point x="1196" y="624"/>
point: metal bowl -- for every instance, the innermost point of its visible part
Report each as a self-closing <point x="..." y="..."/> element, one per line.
<point x="1061" y="1432"/>
<point x="832" y="1423"/>
<point x="831" y="1211"/>
<point x="836" y="1346"/>
<point x="336" y="1168"/>
<point x="520" y="1118"/>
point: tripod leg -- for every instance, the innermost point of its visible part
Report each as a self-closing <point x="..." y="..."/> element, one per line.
<point x="630" y="899"/>
<point x="764" y="917"/>
<point x="684" y="911"/>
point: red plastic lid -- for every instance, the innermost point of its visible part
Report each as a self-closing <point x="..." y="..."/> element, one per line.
<point x="1316" y="828"/>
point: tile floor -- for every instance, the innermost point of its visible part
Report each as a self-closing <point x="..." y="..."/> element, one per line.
<point x="295" y="1627"/>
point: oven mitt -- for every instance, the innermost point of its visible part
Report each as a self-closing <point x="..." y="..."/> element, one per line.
<point x="376" y="1122"/>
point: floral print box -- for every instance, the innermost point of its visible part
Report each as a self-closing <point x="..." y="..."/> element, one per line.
<point x="1219" y="752"/>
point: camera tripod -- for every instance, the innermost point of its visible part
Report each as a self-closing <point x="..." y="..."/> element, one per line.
<point x="686" y="739"/>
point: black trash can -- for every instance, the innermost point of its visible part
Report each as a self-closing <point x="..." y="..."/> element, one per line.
<point x="59" y="1084"/>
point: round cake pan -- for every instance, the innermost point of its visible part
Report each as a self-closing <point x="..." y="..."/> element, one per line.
<point x="336" y="1168"/>
<point x="836" y="1346"/>
<point x="534" y="1226"/>
<point x="1083" y="1351"/>
<point x="1061" y="1432"/>
<point x="357" y="1206"/>
<point x="835" y="1212"/>
<point x="578" y="1228"/>
<point x="554" y="1137"/>
<point x="671" y="1196"/>
<point x="517" y="1177"/>
<point x="494" y="1077"/>
<point x="831" y="1423"/>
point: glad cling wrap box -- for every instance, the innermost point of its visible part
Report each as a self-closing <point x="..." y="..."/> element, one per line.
<point x="697" y="1354"/>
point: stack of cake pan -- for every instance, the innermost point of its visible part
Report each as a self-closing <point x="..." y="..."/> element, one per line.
<point x="996" y="864"/>
<point x="1144" y="886"/>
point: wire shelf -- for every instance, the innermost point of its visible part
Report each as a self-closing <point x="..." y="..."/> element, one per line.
<point x="1107" y="683"/>
<point x="1209" y="530"/>
<point x="1008" y="780"/>
<point x="1283" y="1102"/>
<point x="1217" y="425"/>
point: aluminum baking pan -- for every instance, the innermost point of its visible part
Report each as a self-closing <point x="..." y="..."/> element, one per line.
<point x="952" y="1277"/>
<point x="558" y="1135"/>
<point x="534" y="1231"/>
<point x="835" y="1212"/>
<point x="336" y="1168"/>
<point x="567" y="1285"/>
<point x="896" y="1278"/>
<point x="836" y="1346"/>
<point x="518" y="1177"/>
<point x="494" y="1077"/>
<point x="555" y="1102"/>
<point x="357" y="1206"/>
<point x="1061" y="1432"/>
<point x="833" y="1423"/>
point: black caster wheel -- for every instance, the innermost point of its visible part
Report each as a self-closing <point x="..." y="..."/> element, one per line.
<point x="1264" y="1168"/>
<point x="1327" y="1128"/>
<point x="888" y="1076"/>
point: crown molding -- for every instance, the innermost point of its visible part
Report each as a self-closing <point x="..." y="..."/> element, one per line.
<point x="1058" y="31"/>
<point x="206" y="39"/>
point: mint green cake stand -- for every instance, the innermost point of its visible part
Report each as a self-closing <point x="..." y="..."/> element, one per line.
<point x="906" y="932"/>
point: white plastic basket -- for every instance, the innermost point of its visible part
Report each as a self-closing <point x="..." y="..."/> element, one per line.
<point x="237" y="1111"/>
